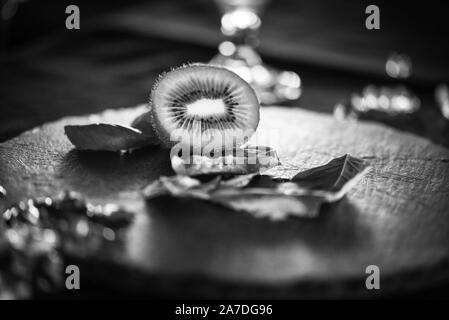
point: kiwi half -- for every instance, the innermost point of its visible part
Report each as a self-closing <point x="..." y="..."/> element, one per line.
<point x="203" y="105"/>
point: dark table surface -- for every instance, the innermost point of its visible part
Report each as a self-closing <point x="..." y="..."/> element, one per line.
<point x="113" y="60"/>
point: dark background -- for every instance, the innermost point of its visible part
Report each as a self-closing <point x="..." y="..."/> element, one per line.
<point x="47" y="71"/>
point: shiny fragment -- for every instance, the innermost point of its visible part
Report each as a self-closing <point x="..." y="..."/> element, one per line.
<point x="38" y="233"/>
<point x="391" y="101"/>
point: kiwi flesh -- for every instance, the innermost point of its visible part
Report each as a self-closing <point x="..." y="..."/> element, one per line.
<point x="202" y="105"/>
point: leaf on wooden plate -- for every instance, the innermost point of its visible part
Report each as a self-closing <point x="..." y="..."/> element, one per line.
<point x="107" y="137"/>
<point x="283" y="171"/>
<point x="330" y="181"/>
<point x="144" y="124"/>
<point x="331" y="176"/>
<point x="261" y="196"/>
<point x="230" y="162"/>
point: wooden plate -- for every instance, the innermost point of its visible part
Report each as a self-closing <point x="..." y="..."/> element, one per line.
<point x="397" y="217"/>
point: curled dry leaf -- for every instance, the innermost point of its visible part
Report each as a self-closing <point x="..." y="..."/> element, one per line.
<point x="107" y="137"/>
<point x="301" y="197"/>
<point x="330" y="181"/>
<point x="332" y="176"/>
<point x="229" y="162"/>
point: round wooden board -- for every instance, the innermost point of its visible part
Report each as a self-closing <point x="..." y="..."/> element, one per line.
<point x="397" y="217"/>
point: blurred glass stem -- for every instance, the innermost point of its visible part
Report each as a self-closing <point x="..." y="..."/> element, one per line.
<point x="240" y="24"/>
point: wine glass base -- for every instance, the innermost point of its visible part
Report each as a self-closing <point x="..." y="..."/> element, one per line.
<point x="272" y="85"/>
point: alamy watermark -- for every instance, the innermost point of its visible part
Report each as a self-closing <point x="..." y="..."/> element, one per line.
<point x="72" y="22"/>
<point x="372" y="21"/>
<point x="72" y="281"/>
<point x="372" y="281"/>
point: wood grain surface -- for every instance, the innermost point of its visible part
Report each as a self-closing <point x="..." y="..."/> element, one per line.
<point x="397" y="217"/>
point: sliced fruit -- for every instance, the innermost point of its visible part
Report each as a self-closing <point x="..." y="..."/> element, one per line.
<point x="203" y="106"/>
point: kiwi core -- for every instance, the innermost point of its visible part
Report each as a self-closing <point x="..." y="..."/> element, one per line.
<point x="203" y="108"/>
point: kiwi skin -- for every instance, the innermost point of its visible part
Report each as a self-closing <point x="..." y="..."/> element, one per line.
<point x="165" y="139"/>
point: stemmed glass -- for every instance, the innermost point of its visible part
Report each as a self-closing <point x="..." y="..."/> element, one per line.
<point x="240" y="24"/>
